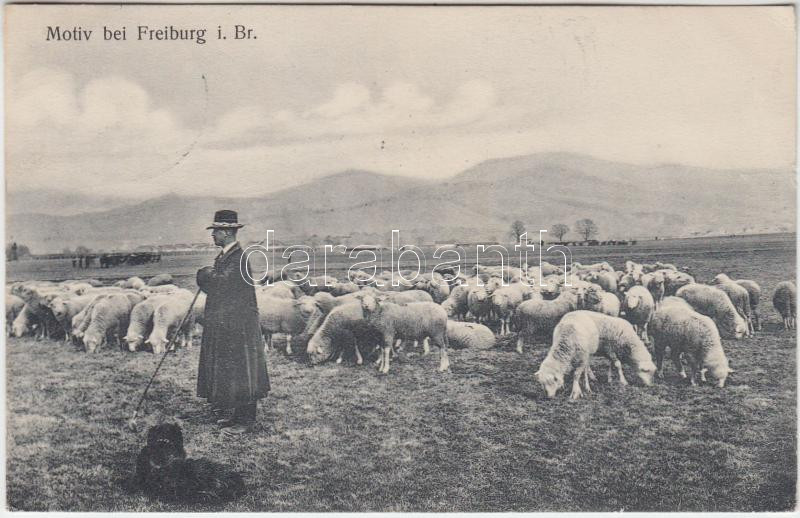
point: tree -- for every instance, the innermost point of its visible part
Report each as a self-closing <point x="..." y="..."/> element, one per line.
<point x="560" y="230"/>
<point x="586" y="228"/>
<point x="517" y="229"/>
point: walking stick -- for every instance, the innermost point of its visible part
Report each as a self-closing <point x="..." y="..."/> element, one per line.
<point x="132" y="421"/>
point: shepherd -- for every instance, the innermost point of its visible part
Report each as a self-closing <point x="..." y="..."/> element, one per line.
<point x="232" y="373"/>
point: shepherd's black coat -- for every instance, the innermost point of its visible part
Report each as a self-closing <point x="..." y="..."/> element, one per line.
<point x="233" y="367"/>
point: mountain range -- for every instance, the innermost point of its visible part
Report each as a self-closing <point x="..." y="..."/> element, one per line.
<point x="479" y="204"/>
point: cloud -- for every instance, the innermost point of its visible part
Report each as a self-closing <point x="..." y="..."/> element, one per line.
<point x="351" y="110"/>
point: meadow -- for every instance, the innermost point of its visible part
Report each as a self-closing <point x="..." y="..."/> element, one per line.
<point x="482" y="437"/>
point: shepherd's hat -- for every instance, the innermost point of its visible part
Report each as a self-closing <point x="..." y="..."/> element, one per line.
<point x="225" y="219"/>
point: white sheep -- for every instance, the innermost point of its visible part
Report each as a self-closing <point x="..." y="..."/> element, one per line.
<point x="65" y="308"/>
<point x="739" y="296"/>
<point x="754" y="292"/>
<point x="109" y="322"/>
<point x="134" y="283"/>
<point x="457" y="305"/>
<point x="575" y="339"/>
<point x="714" y="303"/>
<point x="285" y="316"/>
<point x="655" y="284"/>
<point x="601" y="301"/>
<point x="678" y="326"/>
<point x="160" y="279"/>
<point x="25" y="322"/>
<point x="14" y="306"/>
<point x="537" y="318"/>
<point x="673" y="281"/>
<point x="639" y="306"/>
<point x="785" y="302"/>
<point x="619" y="342"/>
<point x="505" y="300"/>
<point x="168" y="314"/>
<point x="414" y="321"/>
<point x="141" y="321"/>
<point x="343" y="327"/>
<point x="605" y="279"/>
<point x="469" y="335"/>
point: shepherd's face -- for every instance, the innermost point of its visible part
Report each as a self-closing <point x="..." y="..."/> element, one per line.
<point x="220" y="236"/>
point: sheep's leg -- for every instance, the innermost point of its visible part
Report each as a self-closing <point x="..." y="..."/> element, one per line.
<point x="703" y="374"/>
<point x="339" y="356"/>
<point x="388" y="341"/>
<point x="359" y="359"/>
<point x="618" y="365"/>
<point x="576" y="385"/>
<point x="288" y="343"/>
<point x="590" y="373"/>
<point x="610" y="373"/>
<point x="444" y="359"/>
<point x="587" y="374"/>
<point x="658" y="352"/>
<point x="757" y="319"/>
<point x="676" y="359"/>
<point x="426" y="347"/>
<point x="519" y="342"/>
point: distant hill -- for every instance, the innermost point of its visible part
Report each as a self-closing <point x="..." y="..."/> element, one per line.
<point x="478" y="204"/>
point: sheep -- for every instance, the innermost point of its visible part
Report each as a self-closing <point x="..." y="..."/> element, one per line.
<point x="134" y="283"/>
<point x="287" y="316"/>
<point x="785" y="303"/>
<point x="714" y="303"/>
<point x="281" y="291"/>
<point x="619" y="341"/>
<point x="109" y="321"/>
<point x="434" y="284"/>
<point x="602" y="302"/>
<point x="457" y="305"/>
<point x="754" y="293"/>
<point x="575" y="339"/>
<point x="344" y="325"/>
<point x="535" y="318"/>
<point x="344" y="288"/>
<point x="655" y="284"/>
<point x="26" y="322"/>
<point x="677" y="326"/>
<point x="606" y="280"/>
<point x="479" y="304"/>
<point x="414" y="321"/>
<point x="14" y="306"/>
<point x="141" y="321"/>
<point x="168" y="313"/>
<point x="81" y="321"/>
<point x="597" y="267"/>
<point x="673" y="281"/>
<point x="160" y="279"/>
<point x="639" y="306"/>
<point x="406" y="297"/>
<point x="505" y="301"/>
<point x="469" y="335"/>
<point x="161" y="289"/>
<point x="740" y="298"/>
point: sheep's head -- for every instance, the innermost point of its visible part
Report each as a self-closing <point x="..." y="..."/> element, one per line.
<point x="493" y="283"/>
<point x="593" y="296"/>
<point x="18" y="328"/>
<point x="721" y="278"/>
<point x="59" y="308"/>
<point x="631" y="302"/>
<point x="449" y="307"/>
<point x="646" y="370"/>
<point x="550" y="381"/>
<point x="92" y="341"/>
<point x="134" y="342"/>
<point x="370" y="304"/>
<point x="307" y="306"/>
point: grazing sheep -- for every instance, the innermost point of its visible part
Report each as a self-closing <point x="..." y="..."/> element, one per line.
<point x="286" y="316"/>
<point x="160" y="279"/>
<point x="619" y="342"/>
<point x="714" y="303"/>
<point x="109" y="322"/>
<point x="602" y="302"/>
<point x="740" y="298"/>
<point x="344" y="326"/>
<point x="14" y="306"/>
<point x="785" y="303"/>
<point x="537" y="318"/>
<point x="25" y="322"/>
<point x="81" y="321"/>
<point x="141" y="321"/>
<point x="575" y="339"/>
<point x="434" y="284"/>
<point x="162" y="289"/>
<point x="168" y="314"/>
<point x="754" y="292"/>
<point x="406" y="297"/>
<point x="457" y="304"/>
<point x="677" y="326"/>
<point x="639" y="306"/>
<point x="415" y="321"/>
<point x="469" y="335"/>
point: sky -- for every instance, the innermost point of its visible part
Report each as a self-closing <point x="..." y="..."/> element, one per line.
<point x="415" y="91"/>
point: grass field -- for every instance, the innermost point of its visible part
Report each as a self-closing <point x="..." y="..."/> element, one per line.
<point x="480" y="438"/>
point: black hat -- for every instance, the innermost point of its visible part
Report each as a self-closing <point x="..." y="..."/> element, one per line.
<point x="225" y="219"/>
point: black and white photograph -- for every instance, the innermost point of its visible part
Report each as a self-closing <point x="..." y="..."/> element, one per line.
<point x="400" y="258"/>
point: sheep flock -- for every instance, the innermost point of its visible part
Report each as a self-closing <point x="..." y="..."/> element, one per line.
<point x="623" y="315"/>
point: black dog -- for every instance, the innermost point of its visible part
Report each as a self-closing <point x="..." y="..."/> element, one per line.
<point x="163" y="471"/>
